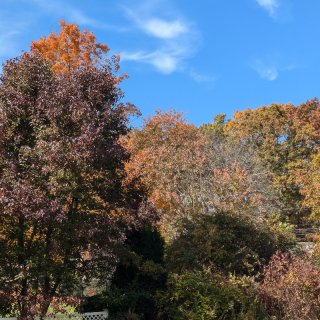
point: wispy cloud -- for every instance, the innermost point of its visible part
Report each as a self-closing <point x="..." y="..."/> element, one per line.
<point x="270" y="6"/>
<point x="64" y="10"/>
<point x="202" y="78"/>
<point x="12" y="29"/>
<point x="165" y="29"/>
<point x="72" y="14"/>
<point x="174" y="40"/>
<point x="270" y="69"/>
<point x="18" y="24"/>
<point x="157" y="27"/>
<point x="165" y="62"/>
<point x="15" y="26"/>
<point x="266" y="71"/>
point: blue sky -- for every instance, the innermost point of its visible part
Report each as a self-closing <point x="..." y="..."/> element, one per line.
<point x="201" y="57"/>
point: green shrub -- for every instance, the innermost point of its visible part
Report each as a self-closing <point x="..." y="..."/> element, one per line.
<point x="203" y="295"/>
<point x="226" y="242"/>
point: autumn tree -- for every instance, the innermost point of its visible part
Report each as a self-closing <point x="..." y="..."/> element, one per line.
<point x="64" y="202"/>
<point x="70" y="49"/>
<point x="236" y="178"/>
<point x="190" y="171"/>
<point x="286" y="138"/>
<point x="311" y="187"/>
<point x="167" y="155"/>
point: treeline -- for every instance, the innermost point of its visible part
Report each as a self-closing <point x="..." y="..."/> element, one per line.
<point x="229" y="194"/>
<point x="262" y="161"/>
<point x="168" y="221"/>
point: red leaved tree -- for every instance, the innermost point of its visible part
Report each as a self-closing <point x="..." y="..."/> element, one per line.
<point x="291" y="288"/>
<point x="64" y="197"/>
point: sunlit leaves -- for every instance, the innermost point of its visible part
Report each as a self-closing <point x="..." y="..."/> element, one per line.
<point x="286" y="137"/>
<point x="70" y="49"/>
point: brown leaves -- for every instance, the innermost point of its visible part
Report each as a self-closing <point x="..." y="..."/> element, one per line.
<point x="286" y="138"/>
<point x="189" y="171"/>
<point x="291" y="288"/>
<point x="167" y="155"/>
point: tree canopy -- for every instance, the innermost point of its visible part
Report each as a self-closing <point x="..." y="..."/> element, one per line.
<point x="165" y="221"/>
<point x="70" y="48"/>
<point x="65" y="201"/>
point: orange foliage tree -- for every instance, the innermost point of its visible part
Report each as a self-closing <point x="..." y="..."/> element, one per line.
<point x="70" y="48"/>
<point x="286" y="138"/>
<point x="167" y="154"/>
<point x="190" y="171"/>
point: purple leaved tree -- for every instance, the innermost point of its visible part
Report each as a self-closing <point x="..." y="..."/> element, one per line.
<point x="65" y="198"/>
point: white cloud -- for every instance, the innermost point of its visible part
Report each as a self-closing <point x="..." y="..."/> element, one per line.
<point x="269" y="73"/>
<point x="270" y="68"/>
<point x="266" y="71"/>
<point x="270" y="6"/>
<point x="165" y="62"/>
<point x="174" y="40"/>
<point x="164" y="29"/>
<point x="155" y="26"/>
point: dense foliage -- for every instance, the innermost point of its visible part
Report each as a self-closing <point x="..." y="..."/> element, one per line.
<point x="291" y="288"/>
<point x="70" y="49"/>
<point x="168" y="221"/>
<point x="205" y="294"/>
<point x="226" y="242"/>
<point x="65" y="199"/>
<point x="139" y="275"/>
